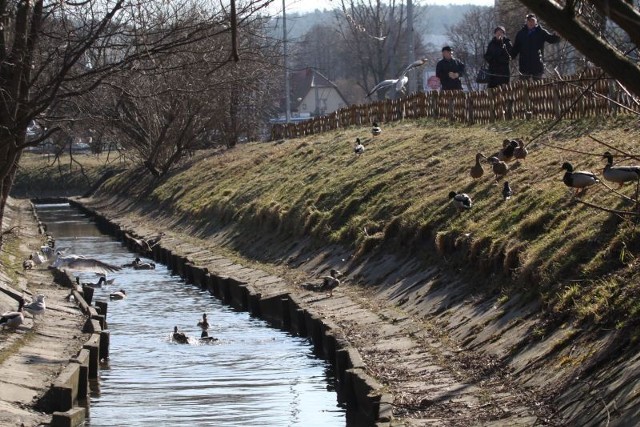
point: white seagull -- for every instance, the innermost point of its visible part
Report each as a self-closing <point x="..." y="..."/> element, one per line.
<point x="37" y="307"/>
<point x="415" y="64"/>
<point x="82" y="263"/>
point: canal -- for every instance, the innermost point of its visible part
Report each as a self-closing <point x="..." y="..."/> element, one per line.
<point x="253" y="375"/>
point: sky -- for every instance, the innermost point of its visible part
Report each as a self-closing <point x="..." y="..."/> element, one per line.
<point x="304" y="6"/>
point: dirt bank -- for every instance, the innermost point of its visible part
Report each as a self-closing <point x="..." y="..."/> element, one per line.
<point x="33" y="355"/>
<point x="432" y="379"/>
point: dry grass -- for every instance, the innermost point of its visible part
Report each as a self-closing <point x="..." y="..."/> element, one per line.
<point x="395" y="197"/>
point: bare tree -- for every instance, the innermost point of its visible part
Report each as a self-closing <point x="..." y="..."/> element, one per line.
<point x="470" y="38"/>
<point x="374" y="36"/>
<point x="56" y="51"/>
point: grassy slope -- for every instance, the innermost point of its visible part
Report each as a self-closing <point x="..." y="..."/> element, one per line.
<point x="578" y="260"/>
<point x="40" y="176"/>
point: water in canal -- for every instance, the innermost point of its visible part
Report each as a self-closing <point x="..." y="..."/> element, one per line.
<point x="253" y="376"/>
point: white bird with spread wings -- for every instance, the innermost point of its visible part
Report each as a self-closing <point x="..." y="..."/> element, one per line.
<point x="82" y="263"/>
<point x="401" y="81"/>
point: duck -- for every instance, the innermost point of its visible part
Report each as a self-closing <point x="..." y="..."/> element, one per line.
<point x="476" y="170"/>
<point x="13" y="319"/>
<point x="106" y="281"/>
<point x="179" y="337"/>
<point x="329" y="283"/>
<point x="461" y="201"/>
<point x="507" y="152"/>
<point x="375" y="130"/>
<point x="521" y="151"/>
<point x="204" y="324"/>
<point x="580" y="180"/>
<point x="499" y="167"/>
<point x="507" y="192"/>
<point x="37" y="307"/>
<point x="28" y="264"/>
<point x="144" y="266"/>
<point x="82" y="263"/>
<point x="359" y="148"/>
<point x="205" y="338"/>
<point x="121" y="294"/>
<point x="101" y="281"/>
<point x="619" y="174"/>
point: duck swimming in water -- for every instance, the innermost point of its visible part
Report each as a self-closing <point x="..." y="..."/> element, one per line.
<point x="121" y="294"/>
<point x="205" y="338"/>
<point x="204" y="324"/>
<point x="179" y="337"/>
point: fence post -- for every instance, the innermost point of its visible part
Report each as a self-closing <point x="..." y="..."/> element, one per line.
<point x="556" y="101"/>
<point x="470" y="116"/>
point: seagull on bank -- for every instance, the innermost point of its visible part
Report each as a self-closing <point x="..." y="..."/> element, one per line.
<point x="37" y="307"/>
<point x="82" y="263"/>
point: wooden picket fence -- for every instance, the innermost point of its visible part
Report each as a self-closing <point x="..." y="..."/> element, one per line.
<point x="586" y="94"/>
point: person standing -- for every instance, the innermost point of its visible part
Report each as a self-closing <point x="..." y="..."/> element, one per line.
<point x="529" y="44"/>
<point x="498" y="57"/>
<point x="449" y="70"/>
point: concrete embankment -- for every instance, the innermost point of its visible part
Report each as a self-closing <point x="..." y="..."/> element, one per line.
<point x="45" y="363"/>
<point x="366" y="341"/>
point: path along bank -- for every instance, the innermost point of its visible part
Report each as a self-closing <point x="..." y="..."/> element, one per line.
<point x="45" y="363"/>
<point x="396" y="369"/>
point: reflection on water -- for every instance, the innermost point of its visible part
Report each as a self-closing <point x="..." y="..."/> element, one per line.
<point x="253" y="376"/>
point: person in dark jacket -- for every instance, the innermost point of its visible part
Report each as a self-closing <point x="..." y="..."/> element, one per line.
<point x="529" y="44"/>
<point x="449" y="70"/>
<point x="498" y="57"/>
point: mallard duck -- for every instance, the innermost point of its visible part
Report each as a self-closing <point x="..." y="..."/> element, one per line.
<point x="506" y="191"/>
<point x="179" y="337"/>
<point x="375" y="130"/>
<point x="28" y="264"/>
<point x="37" y="307"/>
<point x="461" y="201"/>
<point x="476" y="170"/>
<point x="101" y="281"/>
<point x="121" y="294"/>
<point x="499" y="167"/>
<point x="579" y="180"/>
<point x="329" y="283"/>
<point x="521" y="152"/>
<point x="205" y="338"/>
<point x="145" y="266"/>
<point x="359" y="148"/>
<point x="619" y="174"/>
<point x="506" y="154"/>
<point x="82" y="263"/>
<point x="13" y="319"/>
<point x="204" y="324"/>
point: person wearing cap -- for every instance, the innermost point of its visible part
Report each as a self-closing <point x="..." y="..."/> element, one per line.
<point x="498" y="57"/>
<point x="529" y="45"/>
<point x="449" y="70"/>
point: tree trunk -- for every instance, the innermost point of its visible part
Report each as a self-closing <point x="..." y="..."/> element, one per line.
<point x="591" y="45"/>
